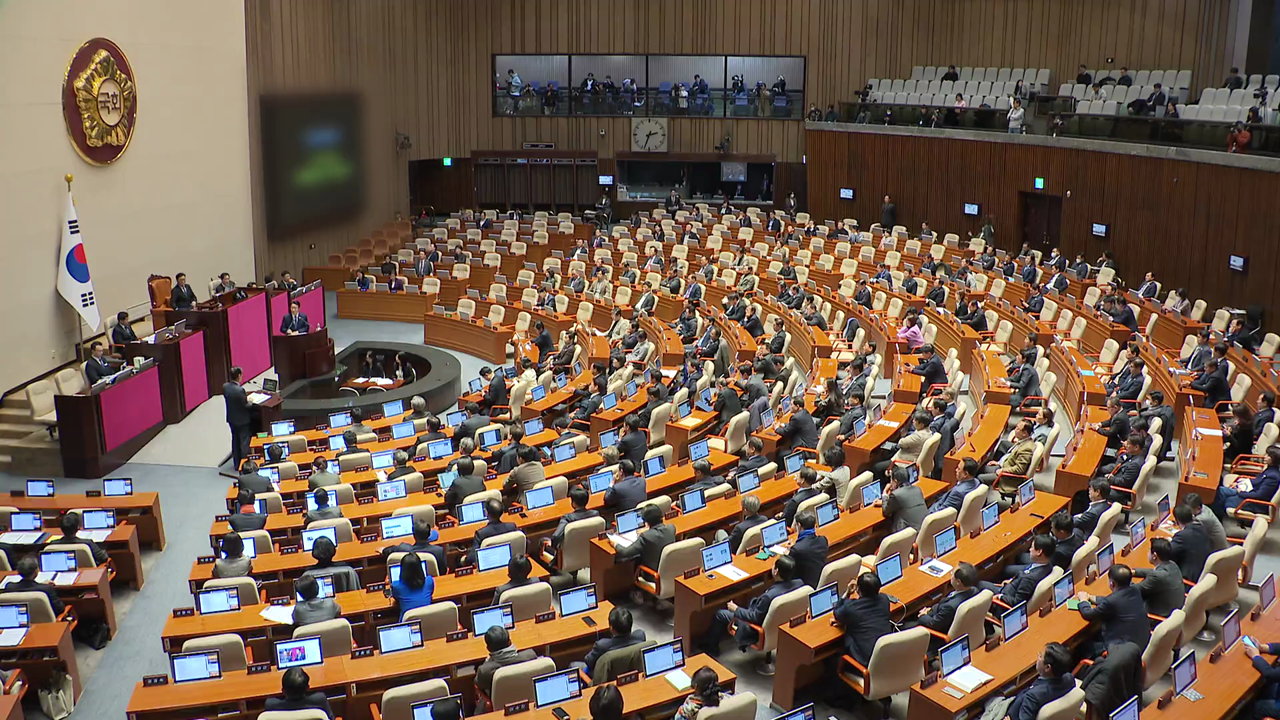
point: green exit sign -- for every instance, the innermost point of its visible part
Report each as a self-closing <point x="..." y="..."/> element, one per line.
<point x="1039" y="183"/>
<point x="448" y="162"/>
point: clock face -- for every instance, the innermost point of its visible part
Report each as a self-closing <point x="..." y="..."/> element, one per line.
<point x="649" y="135"/>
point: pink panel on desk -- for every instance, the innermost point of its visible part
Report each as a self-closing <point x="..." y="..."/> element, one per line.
<point x="130" y="408"/>
<point x="313" y="307"/>
<point x="279" y="308"/>
<point x="250" y="339"/>
<point x="195" y="377"/>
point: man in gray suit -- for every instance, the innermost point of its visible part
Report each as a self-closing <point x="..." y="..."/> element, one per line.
<point x="250" y="479"/>
<point x="323" y="511"/>
<point x="648" y="546"/>
<point x="239" y="415"/>
<point x="320" y="475"/>
<point x="1161" y="587"/>
<point x="903" y="503"/>
<point x="501" y="654"/>
<point x="312" y="608"/>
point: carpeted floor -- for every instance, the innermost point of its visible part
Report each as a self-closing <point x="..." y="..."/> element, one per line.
<point x="181" y="465"/>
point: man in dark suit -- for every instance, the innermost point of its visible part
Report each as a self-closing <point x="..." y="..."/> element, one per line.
<point x="932" y="370"/>
<point x="784" y="581"/>
<point x="888" y="214"/>
<point x="122" y="333"/>
<point x="1029" y="273"/>
<point x="964" y="585"/>
<point x="1053" y="680"/>
<point x="727" y="404"/>
<point x="805" y="481"/>
<point x="1161" y="587"/>
<point x="97" y="366"/>
<point x="423" y="534"/>
<point x="799" y="431"/>
<point x="937" y="294"/>
<point x="864" y="613"/>
<point x="966" y="482"/>
<point x="1266" y="412"/>
<point x="1127" y="467"/>
<point x="239" y="415"/>
<point x="751" y="517"/>
<point x="809" y="549"/>
<point x="628" y="490"/>
<point x="862" y="294"/>
<point x="246" y="517"/>
<point x="620" y="636"/>
<point x="476" y="419"/>
<point x="182" y="297"/>
<point x="1035" y="300"/>
<point x="1190" y="544"/>
<point x="543" y="341"/>
<point x="778" y="339"/>
<point x="250" y="479"/>
<point x="468" y="483"/>
<point x="1157" y="409"/>
<point x="634" y="443"/>
<point x="1115" y="428"/>
<point x="751" y="323"/>
<point x="1058" y="281"/>
<point x="295" y="323"/>
<point x="774" y="225"/>
<point x="1020" y="588"/>
<point x="1122" y="314"/>
<point x="496" y="392"/>
<point x="496" y="525"/>
<point x="737" y="309"/>
<point x="1025" y="381"/>
<point x="976" y="319"/>
<point x="1201" y="353"/>
<point x="649" y="544"/>
<point x="28" y="567"/>
<point x="1212" y="384"/>
<point x="1099" y="501"/>
<point x="1123" y="613"/>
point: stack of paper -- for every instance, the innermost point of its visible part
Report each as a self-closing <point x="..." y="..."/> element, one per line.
<point x="44" y="577"/>
<point x="779" y="550"/>
<point x="383" y="381"/>
<point x="678" y="679"/>
<point x="968" y="678"/>
<point x="66" y="578"/>
<point x="11" y="637"/>
<point x="279" y="614"/>
<point x="258" y="398"/>
<point x="95" y="535"/>
<point x="732" y="572"/>
<point x="888" y="423"/>
<point x="620" y="540"/>
<point x="361" y="380"/>
<point x="1209" y="432"/>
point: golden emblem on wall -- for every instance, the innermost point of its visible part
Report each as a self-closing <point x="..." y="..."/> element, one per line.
<point x="99" y="101"/>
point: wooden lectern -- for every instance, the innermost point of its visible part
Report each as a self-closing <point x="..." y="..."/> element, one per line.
<point x="298" y="357"/>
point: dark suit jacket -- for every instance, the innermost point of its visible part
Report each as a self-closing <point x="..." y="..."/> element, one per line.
<point x="633" y="446"/>
<point x="468" y="427"/>
<point x="182" y="298"/>
<point x="299" y="324"/>
<point x="810" y="553"/>
<point x="1067" y="547"/>
<point x="311" y="700"/>
<point x="793" y="504"/>
<point x="942" y="614"/>
<point x="239" y="411"/>
<point x="1162" y="588"/>
<point x="1043" y="691"/>
<point x="497" y="393"/>
<point x="739" y="530"/>
<point x="255" y="482"/>
<point x="905" y="507"/>
<point x="462" y="487"/>
<point x="1086" y="521"/>
<point x="626" y="494"/>
<point x="243" y="522"/>
<point x="121" y="334"/>
<point x="1021" y="587"/>
<point x="932" y="370"/>
<point x="1116" y="428"/>
<point x="51" y="591"/>
<point x="1191" y="548"/>
<point x="865" y="621"/>
<point x="753" y="326"/>
<point x="954" y="496"/>
<point x="1214" y="387"/>
<point x="800" y="430"/>
<point x="1123" y="615"/>
<point x="648" y="546"/>
<point x="605" y="644"/>
<point x="95" y="369"/>
<point x="1126" y="472"/>
<point x="492" y="529"/>
<point x="1167" y="420"/>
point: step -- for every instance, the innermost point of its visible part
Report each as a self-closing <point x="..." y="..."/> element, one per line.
<point x="17" y="399"/>
<point x="34" y="457"/>
<point x="18" y="430"/>
<point x="15" y="416"/>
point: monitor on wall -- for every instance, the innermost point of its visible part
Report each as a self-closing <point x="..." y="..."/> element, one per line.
<point x="972" y="209"/>
<point x="313" y="159"/>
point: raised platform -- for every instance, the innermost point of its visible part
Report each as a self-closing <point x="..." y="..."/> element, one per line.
<point x="440" y="384"/>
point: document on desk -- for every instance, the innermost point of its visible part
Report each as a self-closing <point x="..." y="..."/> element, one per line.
<point x="44" y="577"/>
<point x="779" y="549"/>
<point x="936" y="568"/>
<point x="95" y="535"/>
<point x="888" y="423"/>
<point x="732" y="572"/>
<point x="690" y="422"/>
<point x="21" y="538"/>
<point x="9" y="580"/>
<point x="279" y="614"/>
<point x="66" y="578"/>
<point x="620" y="541"/>
<point x="969" y="678"/>
<point x="1209" y="432"/>
<point x="361" y="380"/>
<point x="383" y="381"/>
<point x="678" y="679"/>
<point x="11" y="637"/>
<point x="258" y="398"/>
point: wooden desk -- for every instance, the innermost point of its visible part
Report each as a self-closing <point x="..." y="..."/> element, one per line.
<point x="11" y="707"/>
<point x="681" y="433"/>
<point x="368" y="384"/>
<point x="45" y="649"/>
<point x="121" y="546"/>
<point x="141" y="510"/>
<point x="802" y="649"/>
<point x="991" y="378"/>
<point x="1202" y="454"/>
<point x="396" y="307"/>
<point x="90" y="595"/>
<point x="985" y="433"/>
<point x="1083" y="456"/>
<point x="469" y="336"/>
<point x="858" y="451"/>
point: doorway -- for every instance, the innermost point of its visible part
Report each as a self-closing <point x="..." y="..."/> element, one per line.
<point x="1041" y="220"/>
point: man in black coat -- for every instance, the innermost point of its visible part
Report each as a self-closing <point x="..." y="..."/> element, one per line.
<point x="496" y="393"/>
<point x="809" y="549"/>
<point x="476" y="419"/>
<point x="467" y="483"/>
<point x="799" y="431"/>
<point x="1123" y="613"/>
<point x="1161" y="585"/>
<point x="495" y="526"/>
<point x="28" y="567"/>
<point x="726" y="405"/>
<point x="1190" y="545"/>
<point x="932" y="370"/>
<point x="628" y="491"/>
<point x="250" y="479"/>
<point x="1116" y="427"/>
<point x="246" y="517"/>
<point x="784" y="581"/>
<point x="1157" y="409"/>
<point x="422" y="535"/>
<point x="297" y="694"/>
<point x="634" y="443"/>
<point x="649" y="544"/>
<point x="1021" y="587"/>
<point x="751" y="517"/>
<point x="964" y="585"/>
<point x="239" y="416"/>
<point x="779" y="337"/>
<point x="805" y="481"/>
<point x="620" y="636"/>
<point x="1054" y="679"/>
<point x="864" y="613"/>
<point x="1212" y="383"/>
<point x="888" y="215"/>
<point x="1099" y="501"/>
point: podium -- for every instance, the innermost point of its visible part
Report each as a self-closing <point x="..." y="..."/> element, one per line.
<point x="298" y="357"/>
<point x="101" y="430"/>
<point x="235" y="333"/>
<point x="184" y="379"/>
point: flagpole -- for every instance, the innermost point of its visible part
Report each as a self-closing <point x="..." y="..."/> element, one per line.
<point x="79" y="351"/>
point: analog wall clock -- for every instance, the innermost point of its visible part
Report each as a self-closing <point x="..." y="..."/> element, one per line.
<point x="649" y="134"/>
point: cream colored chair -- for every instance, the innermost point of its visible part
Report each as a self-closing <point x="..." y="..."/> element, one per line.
<point x="83" y="555"/>
<point x="230" y="647"/>
<point x="335" y="636"/>
<point x="347" y="463"/>
<point x="514" y="683"/>
<point x="1084" y="557"/>
<point x="1066" y="707"/>
<point x="436" y="620"/>
<point x="676" y="558"/>
<point x="1044" y="590"/>
<point x="622" y="660"/>
<point x="1223" y="567"/>
<point x="901" y="542"/>
<point x="308" y="714"/>
<point x="515" y="537"/>
<point x="658" y="424"/>
<point x="841" y="571"/>
<point x="420" y="513"/>
<point x="1196" y="610"/>
<point x="245" y="587"/>
<point x="528" y="600"/>
<point x="897" y="663"/>
<point x="933" y="524"/>
<point x="740" y="706"/>
<point x="40" y="398"/>
<point x="397" y="702"/>
<point x="782" y="609"/>
<point x="428" y="562"/>
<point x="1252" y="545"/>
<point x="342" y="528"/>
<point x="1107" y="522"/>
<point x="970" y="516"/>
<point x="1158" y="657"/>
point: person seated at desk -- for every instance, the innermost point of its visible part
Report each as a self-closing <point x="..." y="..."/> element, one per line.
<point x="323" y="511"/>
<point x="800" y="431"/>
<point x="468" y="483"/>
<point x="937" y="409"/>
<point x="702" y="477"/>
<point x="854" y="411"/>
<point x="785" y="579"/>
<point x="518" y="569"/>
<point x="27" y="568"/>
<point x="1201" y="353"/>
<point x="349" y="438"/>
<point x="496" y="526"/>
<point x="496" y="393"/>
<point x="621" y="635"/>
<point x="1267" y="702"/>
<point x="1024" y="381"/>
<point x="1123" y="613"/>
<point x="1053" y="681"/>
<point x="809" y="549"/>
<point x="640" y="352"/>
<point x="882" y="273"/>
<point x="1262" y="488"/>
<point x="344" y="576"/>
<point x="122" y="333"/>
<point x="526" y="475"/>
<point x="930" y="368"/>
<point x="182" y="297"/>
<point x="98" y="366"/>
<point x="475" y="420"/>
<point x="246" y="517"/>
<point x="1067" y="540"/>
<point x="589" y="401"/>
<point x="855" y="382"/>
<point x="577" y="283"/>
<point x="295" y="323"/>
<point x="628" y="490"/>
<point x="937" y="295"/>
<point x="1190" y="544"/>
<point x="707" y="693"/>
<point x="434" y="432"/>
<point x="1238" y="436"/>
<point x="647" y="548"/>
<point x="1162" y="588"/>
<point x="312" y="608"/>
<point x="502" y="652"/>
<point x="231" y="560"/>
<point x="862" y="294"/>
<point x="69" y="525"/>
<point x="910" y="333"/>
<point x="1099" y="493"/>
<point x="1121" y="313"/>
<point x="1116" y="427"/>
<point x="628" y="275"/>
<point x="634" y="443"/>
<point x="250" y="479"/>
<point x="754" y="460"/>
<point x="1266" y="412"/>
<point x="579" y="498"/>
<point x="1153" y="408"/>
<point x="402" y="468"/>
<point x="751" y="517"/>
<point x="1081" y="267"/>
<point x="864" y="614"/>
<point x="1124" y="471"/>
<point x="1035" y="299"/>
<point x="902" y="502"/>
<point x="964" y="585"/>
<point x="423" y="535"/>
<point x="910" y="445"/>
<point x="735" y="308"/>
<point x="1019" y="587"/>
<point x="296" y="685"/>
<point x="505" y="459"/>
<point x="1212" y="383"/>
<point x="966" y="482"/>
<point x="976" y="318"/>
